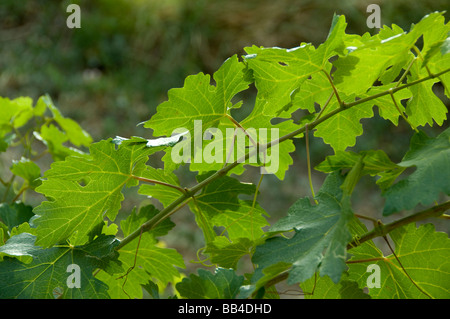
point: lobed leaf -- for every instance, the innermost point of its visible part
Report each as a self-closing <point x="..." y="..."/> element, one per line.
<point x="423" y="253"/>
<point x="46" y="275"/>
<point x="199" y="100"/>
<point x="152" y="260"/>
<point x="223" y="284"/>
<point x="320" y="238"/>
<point x="431" y="157"/>
<point x="82" y="190"/>
<point x="324" y="288"/>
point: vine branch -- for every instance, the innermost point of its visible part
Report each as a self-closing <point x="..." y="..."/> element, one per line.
<point x="153" y="181"/>
<point x="383" y="230"/>
<point x="163" y="214"/>
<point x="379" y="231"/>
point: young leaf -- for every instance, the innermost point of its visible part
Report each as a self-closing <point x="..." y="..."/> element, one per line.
<point x="363" y="65"/>
<point x="279" y="73"/>
<point x="54" y="139"/>
<point x="376" y="162"/>
<point x="28" y="170"/>
<point x="199" y="100"/>
<point x="14" y="113"/>
<point x="223" y="284"/>
<point x="341" y="130"/>
<point x="76" y="135"/>
<point x="424" y="107"/>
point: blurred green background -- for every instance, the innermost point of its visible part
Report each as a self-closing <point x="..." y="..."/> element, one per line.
<point x="112" y="73"/>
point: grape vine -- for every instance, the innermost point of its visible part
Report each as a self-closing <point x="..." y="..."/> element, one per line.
<point x="320" y="245"/>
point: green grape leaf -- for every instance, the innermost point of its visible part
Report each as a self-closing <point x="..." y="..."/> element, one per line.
<point x="215" y="198"/>
<point x="341" y="130"/>
<point x="54" y="139"/>
<point x="152" y="289"/>
<point x="151" y="260"/>
<point x="376" y="162"/>
<point x="259" y="280"/>
<point x="5" y="141"/>
<point x="85" y="189"/>
<point x="422" y="251"/>
<point x="424" y="107"/>
<point x="56" y="136"/>
<point x="222" y="194"/>
<point x="47" y="273"/>
<point x="230" y="143"/>
<point x="246" y="221"/>
<point x="22" y="228"/>
<point x="3" y="235"/>
<point x="166" y="195"/>
<point x="335" y="41"/>
<point x="195" y="108"/>
<point x="226" y="253"/>
<point x="28" y="170"/>
<point x="279" y="73"/>
<point x="199" y="100"/>
<point x="159" y="262"/>
<point x="440" y="62"/>
<point x="280" y="158"/>
<point x="15" y="214"/>
<point x="316" y="89"/>
<point x="40" y="107"/>
<point x="434" y="30"/>
<point x="14" y="113"/>
<point x="76" y="135"/>
<point x="223" y="284"/>
<point x="430" y="156"/>
<point x="386" y="106"/>
<point x="363" y="65"/>
<point x="145" y="213"/>
<point x="320" y="238"/>
<point x="323" y="288"/>
<point x="436" y="41"/>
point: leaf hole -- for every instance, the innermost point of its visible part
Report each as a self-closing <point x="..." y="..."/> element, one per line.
<point x="83" y="182"/>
